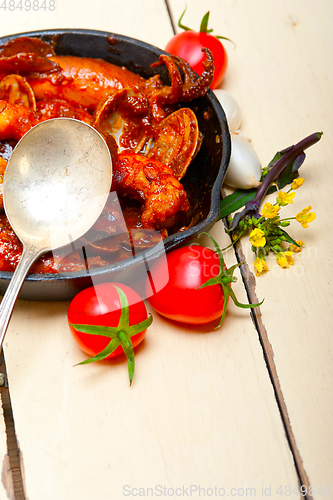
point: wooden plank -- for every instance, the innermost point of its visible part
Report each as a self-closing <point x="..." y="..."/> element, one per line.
<point x="200" y="405"/>
<point x="282" y="76"/>
<point x="202" y="409"/>
<point x="127" y="18"/>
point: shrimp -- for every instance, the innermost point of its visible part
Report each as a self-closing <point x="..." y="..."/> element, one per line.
<point x="15" y="120"/>
<point x="83" y="81"/>
<point x="153" y="184"/>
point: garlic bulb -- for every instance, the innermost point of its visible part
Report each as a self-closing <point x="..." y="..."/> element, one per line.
<point x="231" y="109"/>
<point x="244" y="170"/>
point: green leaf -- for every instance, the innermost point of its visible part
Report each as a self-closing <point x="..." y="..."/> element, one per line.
<point x="112" y="346"/>
<point x="239" y="304"/>
<point x="234" y="201"/>
<point x="225" y="305"/>
<point x="127" y="346"/>
<point x="216" y="280"/>
<point x="224" y="38"/>
<point x="217" y="249"/>
<point x="181" y="26"/>
<point x="230" y="273"/>
<point x="204" y="24"/>
<point x="124" y="317"/>
<point x="291" y="171"/>
<point x="276" y="157"/>
<point x="139" y="327"/>
<point x="238" y="199"/>
<point x="112" y="331"/>
<point x="105" y="331"/>
<point x="289" y="239"/>
<point x="203" y="27"/>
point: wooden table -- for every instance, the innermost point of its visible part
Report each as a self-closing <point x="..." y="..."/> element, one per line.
<point x="243" y="411"/>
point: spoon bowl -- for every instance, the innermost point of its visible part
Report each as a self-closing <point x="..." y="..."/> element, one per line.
<point x="55" y="187"/>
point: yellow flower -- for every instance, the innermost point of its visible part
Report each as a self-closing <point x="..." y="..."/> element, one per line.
<point x="285" y="259"/>
<point x="297" y="183"/>
<point x="270" y="211"/>
<point x="260" y="266"/>
<point x="305" y="216"/>
<point x="257" y="238"/>
<point x="294" y="248"/>
<point x="284" y="198"/>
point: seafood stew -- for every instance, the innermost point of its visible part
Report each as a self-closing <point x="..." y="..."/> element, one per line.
<point x="176" y="109"/>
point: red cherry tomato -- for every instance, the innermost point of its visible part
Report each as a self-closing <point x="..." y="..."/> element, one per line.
<point x="188" y="45"/>
<point x="108" y="320"/>
<point x="180" y="300"/>
<point x="198" y="288"/>
<point x="100" y="305"/>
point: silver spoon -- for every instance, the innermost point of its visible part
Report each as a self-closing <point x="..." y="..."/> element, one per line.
<point x="56" y="184"/>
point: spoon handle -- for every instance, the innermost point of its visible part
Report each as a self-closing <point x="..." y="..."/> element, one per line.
<point x="29" y="255"/>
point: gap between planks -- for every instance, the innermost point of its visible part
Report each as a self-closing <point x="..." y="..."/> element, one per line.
<point x="170" y="16"/>
<point x="268" y="353"/>
<point x="12" y="445"/>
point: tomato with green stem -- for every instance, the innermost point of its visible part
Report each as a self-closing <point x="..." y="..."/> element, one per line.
<point x="108" y="320"/>
<point x="188" y="45"/>
<point x="198" y="287"/>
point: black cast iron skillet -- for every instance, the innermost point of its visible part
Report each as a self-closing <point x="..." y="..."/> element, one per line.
<point x="202" y="181"/>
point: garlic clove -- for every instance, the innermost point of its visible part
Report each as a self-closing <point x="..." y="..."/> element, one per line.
<point x="231" y="109"/>
<point x="244" y="170"/>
